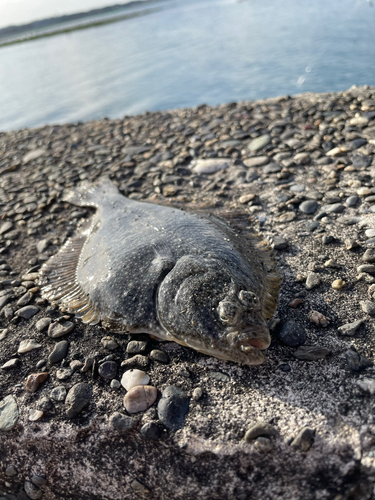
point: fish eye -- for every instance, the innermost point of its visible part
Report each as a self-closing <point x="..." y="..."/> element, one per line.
<point x="248" y="298"/>
<point x="228" y="312"/>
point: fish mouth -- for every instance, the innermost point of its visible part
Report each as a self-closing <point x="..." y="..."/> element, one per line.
<point x="248" y="338"/>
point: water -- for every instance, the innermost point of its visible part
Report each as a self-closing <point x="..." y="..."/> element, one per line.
<point x="189" y="53"/>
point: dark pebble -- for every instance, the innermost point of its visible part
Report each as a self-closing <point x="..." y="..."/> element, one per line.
<point x="304" y="439"/>
<point x="308" y="207"/>
<point x="137" y="361"/>
<point x="108" y="370"/>
<point x="77" y="398"/>
<point x="369" y="255"/>
<point x="356" y="361"/>
<point x="292" y="334"/>
<point x="59" y="352"/>
<point x="136" y="346"/>
<point x="121" y="422"/>
<point x="150" y="431"/>
<point x="172" y="407"/>
<point x="311" y="352"/>
<point x="279" y="243"/>
<point x="285" y="367"/>
<point x="259" y="429"/>
<point x="160" y="356"/>
<point x="27" y="312"/>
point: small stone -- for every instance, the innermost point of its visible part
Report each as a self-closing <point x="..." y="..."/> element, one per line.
<point x="35" y="415"/>
<point x="279" y="243"/>
<point x="364" y="191"/>
<point x="34" y="380"/>
<point x="259" y="142"/>
<point x="8" y="413"/>
<point x="351" y="244"/>
<point x="137" y="361"/>
<point x="370" y="233"/>
<point x="159" y="356"/>
<point x="263" y="444"/>
<point x="78" y="397"/>
<point x="12" y="363"/>
<point x="304" y="439"/>
<point x="150" y="431"/>
<point x="318" y="318"/>
<point x="139" y="489"/>
<point x="5" y="227"/>
<point x="115" y="384"/>
<point x="352" y="201"/>
<point x="311" y="353"/>
<point x="259" y="429"/>
<point x="58" y="393"/>
<point x="295" y="303"/>
<point x="272" y="168"/>
<point x="108" y="370"/>
<point x="25" y="299"/>
<point x="369" y="255"/>
<point x="45" y="404"/>
<point x="109" y="343"/>
<point x="287" y="217"/>
<point x="302" y="158"/>
<point x="64" y="373"/>
<point x="256" y="161"/>
<point x="3" y="333"/>
<point x="350" y="329"/>
<point x="209" y="166"/>
<point x="338" y="284"/>
<point x="136" y="346"/>
<point x="121" y="422"/>
<point x="292" y="334"/>
<point x="308" y="207"/>
<point x="56" y="330"/>
<point x="246" y="198"/>
<point x="59" y="352"/>
<point x="367" y="385"/>
<point x="197" y="393"/>
<point x="32" y="491"/>
<point x="366" y="268"/>
<point x="139" y="398"/>
<point x="11" y="471"/>
<point x="172" y="407"/>
<point x="28" y="345"/>
<point x="42" y="324"/>
<point x="33" y="155"/>
<point x="27" y="312"/>
<point x="368" y="307"/>
<point x="38" y="480"/>
<point x="134" y="377"/>
<point x="87" y="364"/>
<point x="356" y="361"/>
<point x="312" y="281"/>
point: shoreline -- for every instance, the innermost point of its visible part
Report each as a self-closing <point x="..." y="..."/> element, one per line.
<point x="304" y="168"/>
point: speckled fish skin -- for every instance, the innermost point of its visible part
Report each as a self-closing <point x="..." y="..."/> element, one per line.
<point x="145" y="268"/>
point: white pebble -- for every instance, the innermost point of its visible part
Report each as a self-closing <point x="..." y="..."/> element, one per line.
<point x="209" y="166"/>
<point x="134" y="377"/>
<point x="35" y="415"/>
<point x="28" y="345"/>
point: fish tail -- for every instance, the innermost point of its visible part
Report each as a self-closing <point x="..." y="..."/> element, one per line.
<point x="90" y="195"/>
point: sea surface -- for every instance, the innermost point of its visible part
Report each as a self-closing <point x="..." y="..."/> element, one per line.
<point x="185" y="53"/>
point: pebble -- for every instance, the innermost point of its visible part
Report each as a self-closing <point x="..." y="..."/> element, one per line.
<point x="89" y="361"/>
<point x="292" y="334"/>
<point x="27" y="312"/>
<point x="35" y="415"/>
<point x="312" y="280"/>
<point x="33" y="155"/>
<point x="338" y="284"/>
<point x="172" y="407"/>
<point x="25" y="299"/>
<point x="137" y="361"/>
<point x="370" y="233"/>
<point x="209" y="166"/>
<point x="304" y="439"/>
<point x="58" y="393"/>
<point x="351" y="201"/>
<point x="56" y="330"/>
<point x="159" y="356"/>
<point x="32" y="491"/>
<point x="287" y="217"/>
<point x="259" y="429"/>
<point x="12" y="363"/>
<point x="11" y="471"/>
<point x="356" y="361"/>
<point x="134" y="377"/>
<point x="122" y="423"/>
<point x="259" y="143"/>
<point x="77" y="398"/>
<point x="369" y="255"/>
<point x="38" y="480"/>
<point x="139" y="398"/>
<point x="366" y="268"/>
<point x="34" y="380"/>
<point x="8" y="413"/>
<point x="302" y="158"/>
<point x="150" y="431"/>
<point x="109" y="343"/>
<point x="256" y="161"/>
<point x="59" y="352"/>
<point x="349" y="329"/>
<point x="246" y="198"/>
<point x="197" y="393"/>
<point x="368" y="307"/>
<point x="28" y="345"/>
<point x="280" y="243"/>
<point x="108" y="370"/>
<point x="136" y="346"/>
<point x="3" y="333"/>
<point x="42" y="324"/>
<point x="115" y="384"/>
<point x="263" y="444"/>
<point x="64" y="373"/>
<point x="311" y="353"/>
<point x="45" y="404"/>
<point x="367" y="385"/>
<point x="308" y="207"/>
<point x="5" y="227"/>
<point x="351" y="244"/>
<point x="318" y="318"/>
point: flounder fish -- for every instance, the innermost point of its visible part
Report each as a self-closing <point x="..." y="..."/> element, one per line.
<point x="204" y="281"/>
